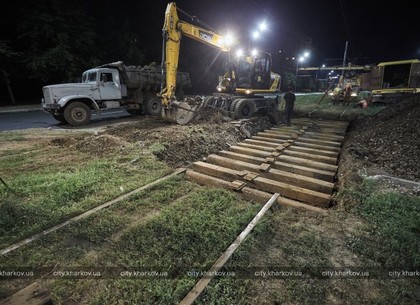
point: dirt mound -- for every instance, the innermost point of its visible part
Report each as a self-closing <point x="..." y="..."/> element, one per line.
<point x="389" y="142"/>
<point x="179" y="145"/>
<point x="93" y="145"/>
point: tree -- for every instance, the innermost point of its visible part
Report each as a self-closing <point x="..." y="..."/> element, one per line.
<point x="6" y="54"/>
<point x="60" y="40"/>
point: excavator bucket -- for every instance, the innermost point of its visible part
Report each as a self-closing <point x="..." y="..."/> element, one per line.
<point x="186" y="113"/>
<point x="182" y="112"/>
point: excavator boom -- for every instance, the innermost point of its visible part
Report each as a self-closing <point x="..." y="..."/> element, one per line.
<point x="173" y="29"/>
<point x="247" y="76"/>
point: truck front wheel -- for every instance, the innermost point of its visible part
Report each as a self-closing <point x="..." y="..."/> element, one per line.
<point x="59" y="117"/>
<point x="77" y="114"/>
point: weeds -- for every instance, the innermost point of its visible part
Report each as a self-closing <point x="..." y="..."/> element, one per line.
<point x="54" y="192"/>
<point x="393" y="238"/>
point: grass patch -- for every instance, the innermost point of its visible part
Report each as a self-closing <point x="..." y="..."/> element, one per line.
<point x="189" y="234"/>
<point x="12" y="136"/>
<point x="308" y="104"/>
<point x="393" y="232"/>
<point x="49" y="194"/>
<point x="185" y="234"/>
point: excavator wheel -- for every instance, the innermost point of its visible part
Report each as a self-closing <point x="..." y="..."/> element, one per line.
<point x="233" y="104"/>
<point x="244" y="109"/>
<point x="208" y="101"/>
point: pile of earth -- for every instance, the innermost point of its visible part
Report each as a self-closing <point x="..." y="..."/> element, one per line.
<point x="387" y="143"/>
<point x="179" y="145"/>
<point x="93" y="145"/>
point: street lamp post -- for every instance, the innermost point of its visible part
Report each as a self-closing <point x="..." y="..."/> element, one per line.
<point x="300" y="59"/>
<point x="257" y="33"/>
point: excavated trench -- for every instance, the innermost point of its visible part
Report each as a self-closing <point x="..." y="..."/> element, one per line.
<point x="299" y="162"/>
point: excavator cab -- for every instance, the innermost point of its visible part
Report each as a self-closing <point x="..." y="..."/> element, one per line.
<point x="246" y="74"/>
<point x="253" y="73"/>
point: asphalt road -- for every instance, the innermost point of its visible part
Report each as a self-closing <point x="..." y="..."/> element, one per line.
<point x="40" y="119"/>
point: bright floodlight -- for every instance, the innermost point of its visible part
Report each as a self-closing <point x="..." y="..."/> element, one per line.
<point x="306" y="54"/>
<point x="239" y="52"/>
<point x="254" y="52"/>
<point x="301" y="59"/>
<point x="263" y="26"/>
<point x="323" y="66"/>
<point x="229" y="39"/>
<point x="255" y="34"/>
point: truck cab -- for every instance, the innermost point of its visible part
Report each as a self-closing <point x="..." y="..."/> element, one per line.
<point x="107" y="81"/>
<point x="72" y="103"/>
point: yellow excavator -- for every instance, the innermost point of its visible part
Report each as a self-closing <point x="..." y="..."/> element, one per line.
<point x="240" y="90"/>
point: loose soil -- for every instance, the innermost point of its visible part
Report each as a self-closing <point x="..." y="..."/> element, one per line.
<point x="177" y="145"/>
<point x="386" y="143"/>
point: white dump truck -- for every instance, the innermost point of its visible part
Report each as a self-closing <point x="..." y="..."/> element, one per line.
<point x="110" y="86"/>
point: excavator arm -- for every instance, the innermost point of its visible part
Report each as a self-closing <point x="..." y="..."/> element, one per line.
<point x="173" y="29"/>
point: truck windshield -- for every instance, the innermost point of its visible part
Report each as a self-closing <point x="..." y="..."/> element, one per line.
<point x="89" y="77"/>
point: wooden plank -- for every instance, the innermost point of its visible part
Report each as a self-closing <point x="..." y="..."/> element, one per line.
<point x="319" y="152"/>
<point x="249" y="151"/>
<point x="264" y="184"/>
<point x="275" y="174"/>
<point x="207" y="180"/>
<point x="34" y="294"/>
<point x="279" y="141"/>
<point x="216" y="171"/>
<point x="305" y="171"/>
<point x="221" y="261"/>
<point x="273" y="136"/>
<point x="308" y="163"/>
<point x="312" y="157"/>
<point x="310" y="145"/>
<point x="256" y="147"/>
<point x="319" y="142"/>
<point x="37" y="236"/>
<point x="233" y="164"/>
<point x="281" y="133"/>
<point x="241" y="157"/>
<point x="292" y="191"/>
<point x="299" y="180"/>
<point x="266" y="143"/>
<point x="249" y="193"/>
<point x="299" y="205"/>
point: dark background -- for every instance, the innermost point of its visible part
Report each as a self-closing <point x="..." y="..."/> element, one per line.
<point x="53" y="41"/>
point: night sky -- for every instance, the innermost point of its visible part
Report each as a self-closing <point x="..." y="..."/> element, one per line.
<point x="376" y="31"/>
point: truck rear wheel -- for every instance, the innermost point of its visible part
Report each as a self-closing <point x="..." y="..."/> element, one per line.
<point x="77" y="114"/>
<point x="153" y="106"/>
